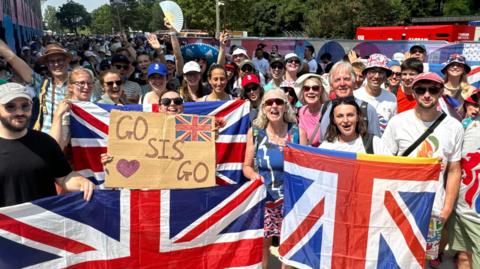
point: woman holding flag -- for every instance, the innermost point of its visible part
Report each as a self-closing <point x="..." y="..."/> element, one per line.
<point x="275" y="126"/>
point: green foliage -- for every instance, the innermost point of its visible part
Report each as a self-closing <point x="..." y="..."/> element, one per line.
<point x="51" y="20"/>
<point x="457" y="7"/>
<point x="73" y="15"/>
<point x="102" y="20"/>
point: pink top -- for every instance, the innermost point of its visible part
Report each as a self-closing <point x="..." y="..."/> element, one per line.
<point x="308" y="122"/>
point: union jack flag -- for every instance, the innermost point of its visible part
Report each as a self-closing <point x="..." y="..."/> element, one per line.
<point x="193" y="128"/>
<point x="218" y="227"/>
<point x="89" y="133"/>
<point x="346" y="210"/>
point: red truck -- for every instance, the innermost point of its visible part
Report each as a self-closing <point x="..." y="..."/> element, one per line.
<point x="449" y="33"/>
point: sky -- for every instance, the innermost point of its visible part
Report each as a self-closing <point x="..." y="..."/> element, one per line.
<point x="89" y="4"/>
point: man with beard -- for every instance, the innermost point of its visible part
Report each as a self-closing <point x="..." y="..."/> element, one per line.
<point x="384" y="102"/>
<point x="31" y="162"/>
<point x="403" y="136"/>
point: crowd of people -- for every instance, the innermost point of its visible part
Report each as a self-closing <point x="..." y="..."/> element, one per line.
<point x="372" y="105"/>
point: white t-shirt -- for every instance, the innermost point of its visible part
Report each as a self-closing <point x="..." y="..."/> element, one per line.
<point x="261" y="65"/>
<point x="468" y="203"/>
<point x="356" y="146"/>
<point x="312" y="65"/>
<point x="385" y="104"/>
<point x="445" y="142"/>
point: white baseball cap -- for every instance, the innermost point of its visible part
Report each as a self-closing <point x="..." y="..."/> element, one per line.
<point x="10" y="91"/>
<point x="239" y="51"/>
<point x="191" y="66"/>
<point x="169" y="57"/>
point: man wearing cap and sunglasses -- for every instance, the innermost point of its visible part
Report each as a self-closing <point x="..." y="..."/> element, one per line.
<point x="426" y="131"/>
<point x="31" y="162"/>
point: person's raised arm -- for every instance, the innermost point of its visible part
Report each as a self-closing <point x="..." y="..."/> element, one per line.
<point x="20" y="67"/>
<point x="224" y="37"/>
<point x="176" y="48"/>
<point x="57" y="131"/>
<point x="155" y="44"/>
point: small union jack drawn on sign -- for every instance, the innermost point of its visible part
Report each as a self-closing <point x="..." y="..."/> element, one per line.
<point x="193" y="128"/>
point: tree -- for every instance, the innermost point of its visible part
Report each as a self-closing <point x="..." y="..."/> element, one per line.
<point x="457" y="7"/>
<point x="51" y="20"/>
<point x="102" y="20"/>
<point x="73" y="16"/>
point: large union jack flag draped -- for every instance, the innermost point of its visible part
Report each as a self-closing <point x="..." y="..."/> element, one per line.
<point x="89" y="133"/>
<point x="344" y="210"/>
<point x="218" y="227"/>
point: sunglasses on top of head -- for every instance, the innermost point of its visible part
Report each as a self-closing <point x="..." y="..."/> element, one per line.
<point x="423" y="90"/>
<point x="168" y="101"/>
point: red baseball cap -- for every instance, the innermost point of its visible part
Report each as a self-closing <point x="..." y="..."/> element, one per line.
<point x="474" y="97"/>
<point x="249" y="79"/>
<point x="429" y="76"/>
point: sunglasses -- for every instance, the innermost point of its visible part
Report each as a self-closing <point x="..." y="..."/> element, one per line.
<point x="423" y="90"/>
<point x="277" y="66"/>
<point x="417" y="51"/>
<point x="293" y="61"/>
<point x="11" y="107"/>
<point x="168" y="101"/>
<point x="314" y="88"/>
<point x="74" y="62"/>
<point x="398" y="74"/>
<point x="116" y="82"/>
<point x="247" y="68"/>
<point x="376" y="71"/>
<point x="277" y="101"/>
<point x="290" y="91"/>
<point x="121" y="66"/>
<point x="251" y="89"/>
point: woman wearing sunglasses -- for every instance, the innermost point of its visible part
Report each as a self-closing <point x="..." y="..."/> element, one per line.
<point x="272" y="129"/>
<point x="253" y="92"/>
<point x="113" y="88"/>
<point x="347" y="130"/>
<point x="292" y="66"/>
<point x="288" y="87"/>
<point x="311" y="91"/>
<point x="171" y="102"/>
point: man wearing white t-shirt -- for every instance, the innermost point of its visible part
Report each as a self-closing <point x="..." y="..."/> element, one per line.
<point x="384" y="102"/>
<point x="445" y="142"/>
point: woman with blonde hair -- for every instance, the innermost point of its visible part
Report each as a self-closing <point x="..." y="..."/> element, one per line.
<point x="192" y="88"/>
<point x="456" y="86"/>
<point x="80" y="88"/>
<point x="311" y="90"/>
<point x="274" y="126"/>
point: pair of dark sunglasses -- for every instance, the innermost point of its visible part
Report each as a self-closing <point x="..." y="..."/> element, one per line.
<point x="277" y="66"/>
<point x="398" y="74"/>
<point x="293" y="61"/>
<point x="251" y="89"/>
<point x="247" y="68"/>
<point x="277" y="101"/>
<point x="116" y="82"/>
<point x="168" y="101"/>
<point x="431" y="90"/>
<point x="314" y="88"/>
<point x="290" y="91"/>
<point x="121" y="66"/>
<point x="11" y="107"/>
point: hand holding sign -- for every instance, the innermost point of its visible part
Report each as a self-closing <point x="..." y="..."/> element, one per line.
<point x="159" y="151"/>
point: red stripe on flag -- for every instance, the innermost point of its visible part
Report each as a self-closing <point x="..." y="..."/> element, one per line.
<point x="220" y="214"/>
<point x="405" y="227"/>
<point x="27" y="231"/>
<point x="474" y="71"/>
<point x="230" y="108"/>
<point x="230" y="152"/>
<point x="90" y="119"/>
<point x="315" y="214"/>
<point x="88" y="158"/>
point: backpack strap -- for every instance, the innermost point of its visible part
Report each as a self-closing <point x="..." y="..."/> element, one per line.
<point x="364" y="109"/>
<point x="324" y="109"/>
<point x="42" y="105"/>
<point x="367" y="140"/>
<point x="256" y="141"/>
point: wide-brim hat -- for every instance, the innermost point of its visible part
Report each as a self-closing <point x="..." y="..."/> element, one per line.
<point x="298" y="87"/>
<point x="54" y="49"/>
<point x="377" y="61"/>
<point x="456" y="58"/>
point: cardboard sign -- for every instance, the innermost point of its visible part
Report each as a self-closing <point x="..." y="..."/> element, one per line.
<point x="160" y="151"/>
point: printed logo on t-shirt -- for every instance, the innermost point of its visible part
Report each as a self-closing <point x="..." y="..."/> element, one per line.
<point x="428" y="147"/>
<point x="471" y="179"/>
<point x="382" y="122"/>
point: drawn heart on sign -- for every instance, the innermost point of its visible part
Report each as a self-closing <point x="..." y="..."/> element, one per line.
<point x="127" y="168"/>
